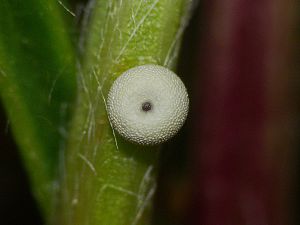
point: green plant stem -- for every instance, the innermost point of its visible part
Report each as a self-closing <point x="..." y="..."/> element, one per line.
<point x="108" y="180"/>
<point x="37" y="84"/>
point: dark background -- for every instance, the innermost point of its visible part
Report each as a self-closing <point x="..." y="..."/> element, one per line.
<point x="17" y="206"/>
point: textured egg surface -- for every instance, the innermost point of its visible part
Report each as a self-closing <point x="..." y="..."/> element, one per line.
<point x="147" y="104"/>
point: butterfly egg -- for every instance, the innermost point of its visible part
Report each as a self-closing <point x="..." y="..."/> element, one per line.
<point x="147" y="104"/>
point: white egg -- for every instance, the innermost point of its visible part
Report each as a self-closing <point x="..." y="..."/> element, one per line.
<point x="147" y="104"/>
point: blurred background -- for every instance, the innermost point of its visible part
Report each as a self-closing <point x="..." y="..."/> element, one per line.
<point x="17" y="206"/>
<point x="237" y="160"/>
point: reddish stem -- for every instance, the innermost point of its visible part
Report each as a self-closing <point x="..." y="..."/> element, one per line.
<point x="238" y="180"/>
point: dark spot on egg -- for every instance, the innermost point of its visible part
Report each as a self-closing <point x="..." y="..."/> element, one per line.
<point x="146" y="106"/>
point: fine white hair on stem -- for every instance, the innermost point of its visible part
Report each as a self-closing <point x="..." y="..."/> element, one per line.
<point x="147" y="104"/>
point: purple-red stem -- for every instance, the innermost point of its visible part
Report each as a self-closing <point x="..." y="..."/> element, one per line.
<point x="239" y="177"/>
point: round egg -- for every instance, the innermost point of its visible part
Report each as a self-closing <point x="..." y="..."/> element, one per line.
<point x="147" y="104"/>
